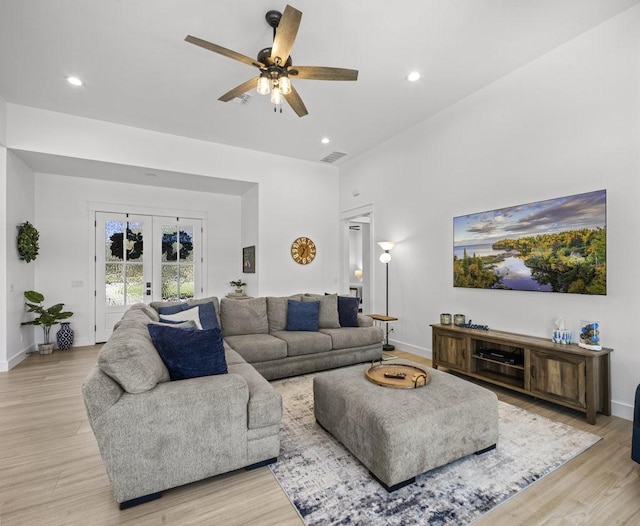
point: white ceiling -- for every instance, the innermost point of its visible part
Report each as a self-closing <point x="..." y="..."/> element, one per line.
<point x="138" y="70"/>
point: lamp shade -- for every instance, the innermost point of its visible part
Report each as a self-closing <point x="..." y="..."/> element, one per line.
<point x="385" y="257"/>
<point x="386" y="245"/>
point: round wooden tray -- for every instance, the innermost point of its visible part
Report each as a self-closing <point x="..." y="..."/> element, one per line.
<point x="413" y="378"/>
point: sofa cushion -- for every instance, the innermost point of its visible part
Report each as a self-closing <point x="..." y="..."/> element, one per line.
<point x="328" y="318"/>
<point x="144" y="308"/>
<point x="277" y="311"/>
<point x="302" y="316"/>
<point x="231" y="356"/>
<point x="244" y="316"/>
<point x="137" y="316"/>
<point x="304" y="342"/>
<point x="265" y="403"/>
<point x="189" y="353"/>
<point x="257" y="347"/>
<point x="348" y="337"/>
<point x="348" y="311"/>
<point x="130" y="358"/>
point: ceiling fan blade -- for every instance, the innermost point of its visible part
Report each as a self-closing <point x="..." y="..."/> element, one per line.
<point x="321" y="73"/>
<point x="285" y="35"/>
<point x="224" y="51"/>
<point x="239" y="90"/>
<point x="296" y="103"/>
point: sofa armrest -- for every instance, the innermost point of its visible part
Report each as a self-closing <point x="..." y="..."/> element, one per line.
<point x="176" y="433"/>
<point x="364" y="321"/>
<point x="99" y="392"/>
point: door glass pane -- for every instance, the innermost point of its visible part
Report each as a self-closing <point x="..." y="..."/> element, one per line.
<point x="169" y="243"/>
<point x="178" y="269"/>
<point x="134" y="242"/>
<point x="187" y="282"/>
<point x="135" y="283"/>
<point x="114" y="283"/>
<point x="114" y="240"/>
<point x="170" y="282"/>
<point x="124" y="257"/>
<point x="186" y="244"/>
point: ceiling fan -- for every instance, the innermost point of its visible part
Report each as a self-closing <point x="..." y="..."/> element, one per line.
<point x="275" y="64"/>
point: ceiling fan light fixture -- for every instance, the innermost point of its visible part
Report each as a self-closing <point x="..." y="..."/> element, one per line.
<point x="276" y="96"/>
<point x="264" y="85"/>
<point x="285" y="85"/>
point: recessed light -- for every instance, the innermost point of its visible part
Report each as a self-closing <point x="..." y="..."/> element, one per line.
<point x="413" y="76"/>
<point x="74" y="81"/>
<point x="325" y="140"/>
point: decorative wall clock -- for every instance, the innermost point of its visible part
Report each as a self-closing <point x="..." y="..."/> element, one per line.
<point x="303" y="250"/>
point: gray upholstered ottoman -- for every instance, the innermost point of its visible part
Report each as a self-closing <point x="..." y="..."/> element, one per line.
<point x="400" y="433"/>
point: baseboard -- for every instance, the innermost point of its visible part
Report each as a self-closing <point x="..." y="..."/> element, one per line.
<point x="420" y="351"/>
<point x="16" y="359"/>
<point x="622" y="410"/>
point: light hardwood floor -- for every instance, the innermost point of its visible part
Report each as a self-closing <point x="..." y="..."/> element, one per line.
<point x="51" y="472"/>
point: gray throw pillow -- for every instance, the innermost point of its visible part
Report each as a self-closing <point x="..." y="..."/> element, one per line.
<point x="244" y="316"/>
<point x="328" y="318"/>
<point x="277" y="311"/>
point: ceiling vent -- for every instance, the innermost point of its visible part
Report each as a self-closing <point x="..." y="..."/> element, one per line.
<point x="333" y="157"/>
<point x="242" y="99"/>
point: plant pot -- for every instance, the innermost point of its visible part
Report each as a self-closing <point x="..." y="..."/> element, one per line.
<point x="45" y="348"/>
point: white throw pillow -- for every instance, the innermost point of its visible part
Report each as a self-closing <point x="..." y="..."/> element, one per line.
<point x="185" y="315"/>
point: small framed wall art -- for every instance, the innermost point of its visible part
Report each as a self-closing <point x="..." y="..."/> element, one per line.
<point x="249" y="260"/>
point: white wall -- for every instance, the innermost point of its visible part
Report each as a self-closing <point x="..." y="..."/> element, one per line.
<point x="567" y="123"/>
<point x="296" y="198"/>
<point x="65" y="217"/>
<point x="3" y="122"/>
<point x="20" y="275"/>
<point x="251" y="236"/>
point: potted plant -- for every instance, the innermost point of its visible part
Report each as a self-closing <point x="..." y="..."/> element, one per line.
<point x="46" y="317"/>
<point x="238" y="284"/>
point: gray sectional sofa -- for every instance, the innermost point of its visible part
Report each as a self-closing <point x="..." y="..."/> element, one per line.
<point x="256" y="329"/>
<point x="155" y="434"/>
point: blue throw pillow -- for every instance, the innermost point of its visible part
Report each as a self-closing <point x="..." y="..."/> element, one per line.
<point x="302" y="316"/>
<point x="208" y="318"/>
<point x="189" y="353"/>
<point x="348" y="311"/>
<point x="172" y="309"/>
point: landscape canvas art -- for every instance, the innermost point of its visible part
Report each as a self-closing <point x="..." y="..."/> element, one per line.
<point x="558" y="245"/>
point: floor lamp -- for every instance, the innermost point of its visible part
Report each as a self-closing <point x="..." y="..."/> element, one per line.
<point x="385" y="257"/>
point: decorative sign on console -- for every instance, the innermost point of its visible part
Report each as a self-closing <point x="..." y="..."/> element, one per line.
<point x="558" y="245"/>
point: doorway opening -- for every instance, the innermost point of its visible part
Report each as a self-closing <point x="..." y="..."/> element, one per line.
<point x="357" y="263"/>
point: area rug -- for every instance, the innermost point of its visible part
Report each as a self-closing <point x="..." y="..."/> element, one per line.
<point x="329" y="486"/>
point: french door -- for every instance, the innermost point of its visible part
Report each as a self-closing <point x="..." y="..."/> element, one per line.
<point x="143" y="258"/>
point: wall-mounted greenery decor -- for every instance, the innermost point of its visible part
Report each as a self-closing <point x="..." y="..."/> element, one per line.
<point x="28" y="241"/>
